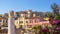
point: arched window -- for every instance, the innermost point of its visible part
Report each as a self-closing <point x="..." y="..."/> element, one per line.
<point x="36" y="21"/>
<point x="30" y="21"/>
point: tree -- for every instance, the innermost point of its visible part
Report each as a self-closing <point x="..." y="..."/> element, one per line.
<point x="56" y="19"/>
<point x="55" y="9"/>
<point x="49" y="14"/>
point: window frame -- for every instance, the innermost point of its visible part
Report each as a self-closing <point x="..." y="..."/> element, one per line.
<point x="36" y="21"/>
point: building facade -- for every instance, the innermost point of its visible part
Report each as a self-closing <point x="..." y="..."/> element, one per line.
<point x="20" y="22"/>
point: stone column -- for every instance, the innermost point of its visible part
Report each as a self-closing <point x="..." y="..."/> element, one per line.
<point x="11" y="29"/>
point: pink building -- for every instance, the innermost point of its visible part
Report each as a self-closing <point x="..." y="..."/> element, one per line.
<point x="32" y="21"/>
<point x="36" y="21"/>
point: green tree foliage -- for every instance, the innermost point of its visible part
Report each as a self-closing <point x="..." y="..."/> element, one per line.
<point x="36" y="28"/>
<point x="49" y="14"/>
<point x="55" y="8"/>
<point x="55" y="12"/>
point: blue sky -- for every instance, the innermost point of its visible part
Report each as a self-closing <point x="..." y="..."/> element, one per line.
<point x="19" y="5"/>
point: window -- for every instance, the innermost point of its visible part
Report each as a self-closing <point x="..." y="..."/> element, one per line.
<point x="36" y="21"/>
<point x="30" y="26"/>
<point x="6" y="21"/>
<point x="0" y="20"/>
<point x="21" y="26"/>
<point x="21" y="21"/>
<point x="26" y="21"/>
<point x="30" y="21"/>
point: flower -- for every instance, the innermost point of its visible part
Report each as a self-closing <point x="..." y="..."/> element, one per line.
<point x="54" y="33"/>
<point x="55" y="21"/>
<point x="44" y="30"/>
<point x="49" y="19"/>
<point x="58" y="28"/>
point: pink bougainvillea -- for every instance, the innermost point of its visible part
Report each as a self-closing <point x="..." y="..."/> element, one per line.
<point x="55" y="21"/>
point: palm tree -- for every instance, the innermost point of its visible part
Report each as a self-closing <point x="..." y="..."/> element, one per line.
<point x="55" y="9"/>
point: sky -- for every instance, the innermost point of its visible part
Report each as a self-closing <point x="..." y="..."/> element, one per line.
<point x="21" y="5"/>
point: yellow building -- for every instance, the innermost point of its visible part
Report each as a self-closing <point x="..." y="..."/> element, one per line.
<point x="20" y="22"/>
